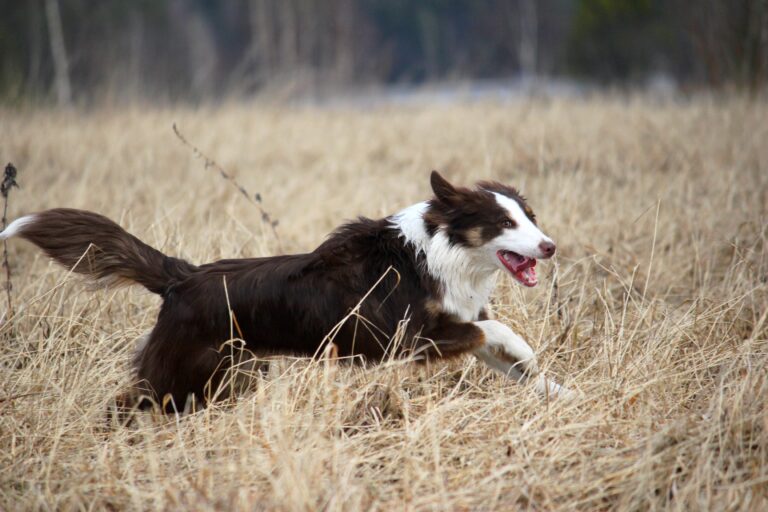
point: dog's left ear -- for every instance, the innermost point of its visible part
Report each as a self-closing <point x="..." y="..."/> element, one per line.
<point x="444" y="191"/>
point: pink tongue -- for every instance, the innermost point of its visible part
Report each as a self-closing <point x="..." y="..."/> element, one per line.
<point x="519" y="263"/>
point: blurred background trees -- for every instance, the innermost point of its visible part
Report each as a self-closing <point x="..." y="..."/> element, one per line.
<point x="172" y="50"/>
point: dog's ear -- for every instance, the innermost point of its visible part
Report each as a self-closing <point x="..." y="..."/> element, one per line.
<point x="443" y="190"/>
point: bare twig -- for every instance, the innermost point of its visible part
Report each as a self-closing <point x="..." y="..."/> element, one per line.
<point x="16" y="397"/>
<point x="556" y="293"/>
<point x="9" y="181"/>
<point x="255" y="199"/>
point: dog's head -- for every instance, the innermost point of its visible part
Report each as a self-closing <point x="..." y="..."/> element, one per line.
<point x="493" y="221"/>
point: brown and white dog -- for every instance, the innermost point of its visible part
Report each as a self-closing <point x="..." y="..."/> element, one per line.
<point x="433" y="264"/>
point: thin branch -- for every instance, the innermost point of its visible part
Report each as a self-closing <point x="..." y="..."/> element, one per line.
<point x="16" y="397"/>
<point x="9" y="181"/>
<point x="254" y="200"/>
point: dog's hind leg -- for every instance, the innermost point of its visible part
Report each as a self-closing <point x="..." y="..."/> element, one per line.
<point x="508" y="353"/>
<point x="136" y="396"/>
<point x="178" y="358"/>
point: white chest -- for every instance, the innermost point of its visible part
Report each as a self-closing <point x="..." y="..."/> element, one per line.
<point x="466" y="279"/>
<point x="466" y="299"/>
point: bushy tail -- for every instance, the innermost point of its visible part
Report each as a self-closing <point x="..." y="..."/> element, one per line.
<point x="92" y="245"/>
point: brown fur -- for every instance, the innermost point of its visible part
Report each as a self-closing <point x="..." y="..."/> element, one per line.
<point x="92" y="245"/>
<point x="286" y="304"/>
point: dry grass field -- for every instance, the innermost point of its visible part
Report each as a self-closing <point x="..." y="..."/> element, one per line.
<point x="654" y="308"/>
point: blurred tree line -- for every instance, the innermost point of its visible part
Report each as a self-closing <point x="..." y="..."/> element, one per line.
<point x="190" y="49"/>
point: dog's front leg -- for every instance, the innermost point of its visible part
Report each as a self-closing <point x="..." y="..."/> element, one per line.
<point x="508" y="353"/>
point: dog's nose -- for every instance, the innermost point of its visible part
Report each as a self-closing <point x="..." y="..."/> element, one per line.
<point x="547" y="249"/>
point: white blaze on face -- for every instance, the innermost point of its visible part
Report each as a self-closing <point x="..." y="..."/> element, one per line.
<point x="523" y="239"/>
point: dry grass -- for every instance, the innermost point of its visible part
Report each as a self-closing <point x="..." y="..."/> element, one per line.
<point x="658" y="316"/>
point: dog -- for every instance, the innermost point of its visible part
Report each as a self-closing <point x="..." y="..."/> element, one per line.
<point x="426" y="273"/>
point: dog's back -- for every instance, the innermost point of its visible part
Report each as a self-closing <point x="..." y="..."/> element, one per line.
<point x="276" y="305"/>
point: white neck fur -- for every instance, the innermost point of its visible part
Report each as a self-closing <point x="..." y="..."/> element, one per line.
<point x="464" y="275"/>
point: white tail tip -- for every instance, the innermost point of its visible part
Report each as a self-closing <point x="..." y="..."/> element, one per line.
<point x="16" y="226"/>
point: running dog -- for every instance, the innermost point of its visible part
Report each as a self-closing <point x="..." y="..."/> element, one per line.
<point x="426" y="273"/>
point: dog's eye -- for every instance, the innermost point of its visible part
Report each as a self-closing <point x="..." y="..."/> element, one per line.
<point x="508" y="224"/>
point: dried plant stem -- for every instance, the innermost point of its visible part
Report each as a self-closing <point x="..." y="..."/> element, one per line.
<point x="255" y="199"/>
<point x="9" y="181"/>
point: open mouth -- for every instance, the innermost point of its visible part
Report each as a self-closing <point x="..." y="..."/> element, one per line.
<point x="519" y="266"/>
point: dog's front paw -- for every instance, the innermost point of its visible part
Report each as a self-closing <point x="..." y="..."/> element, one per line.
<point x="552" y="389"/>
<point x="509" y="346"/>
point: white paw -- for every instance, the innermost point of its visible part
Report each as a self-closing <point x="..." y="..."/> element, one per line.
<point x="503" y="342"/>
<point x="552" y="389"/>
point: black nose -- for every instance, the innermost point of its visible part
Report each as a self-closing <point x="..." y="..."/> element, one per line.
<point x="547" y="249"/>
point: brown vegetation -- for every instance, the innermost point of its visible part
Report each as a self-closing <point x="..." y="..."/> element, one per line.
<point x="655" y="308"/>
